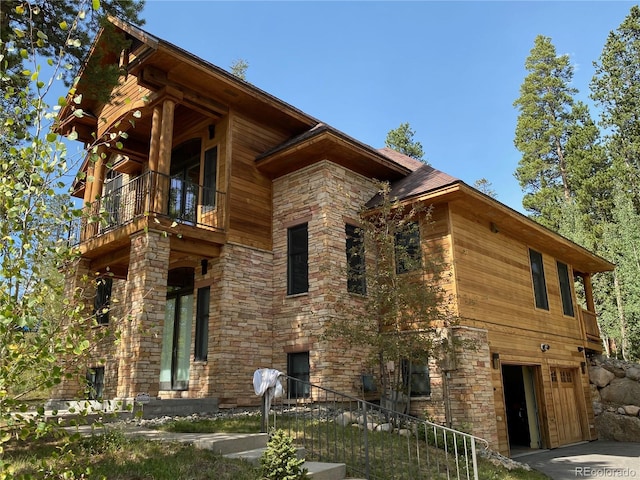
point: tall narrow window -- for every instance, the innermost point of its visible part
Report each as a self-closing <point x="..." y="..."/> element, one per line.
<point x="539" y="283"/>
<point x="298" y="368"/>
<point x="356" y="279"/>
<point x="565" y="288"/>
<point x="102" y="300"/>
<point x="297" y="259"/>
<point x="407" y="248"/>
<point x="202" y="324"/>
<point x="95" y="383"/>
<point x="210" y="176"/>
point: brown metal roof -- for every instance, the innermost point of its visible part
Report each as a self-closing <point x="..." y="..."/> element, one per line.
<point x="424" y="178"/>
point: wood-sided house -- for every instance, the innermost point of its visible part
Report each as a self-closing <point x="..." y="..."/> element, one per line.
<point x="222" y="209"/>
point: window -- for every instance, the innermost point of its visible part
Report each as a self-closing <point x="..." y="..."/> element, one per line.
<point x="111" y="199"/>
<point x="407" y="248"/>
<point x="298" y="368"/>
<point x="415" y="378"/>
<point x="185" y="176"/>
<point x="102" y="300"/>
<point x="202" y="324"/>
<point x="539" y="283"/>
<point x="565" y="288"/>
<point x="95" y="383"/>
<point x="356" y="280"/>
<point x="298" y="260"/>
<point x="210" y="175"/>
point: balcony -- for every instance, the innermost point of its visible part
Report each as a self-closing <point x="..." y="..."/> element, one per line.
<point x="591" y="330"/>
<point x="149" y="200"/>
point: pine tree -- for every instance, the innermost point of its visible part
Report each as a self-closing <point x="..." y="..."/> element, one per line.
<point x="555" y="134"/>
<point x="615" y="88"/>
<point x="401" y="140"/>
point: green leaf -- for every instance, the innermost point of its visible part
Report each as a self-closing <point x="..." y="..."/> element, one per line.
<point x="95" y="4"/>
<point x="51" y="137"/>
<point x="73" y="135"/>
<point x="63" y="25"/>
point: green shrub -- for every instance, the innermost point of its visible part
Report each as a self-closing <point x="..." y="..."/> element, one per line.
<point x="279" y="461"/>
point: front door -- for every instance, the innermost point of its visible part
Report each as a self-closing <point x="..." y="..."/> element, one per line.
<point x="567" y="408"/>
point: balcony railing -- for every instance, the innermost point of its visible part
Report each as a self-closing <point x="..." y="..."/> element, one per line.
<point x="185" y="202"/>
<point x="591" y="329"/>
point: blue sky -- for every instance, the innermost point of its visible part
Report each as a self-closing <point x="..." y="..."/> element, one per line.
<point x="450" y="69"/>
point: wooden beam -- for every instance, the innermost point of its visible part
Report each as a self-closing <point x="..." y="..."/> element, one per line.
<point x="200" y="250"/>
<point x="192" y="98"/>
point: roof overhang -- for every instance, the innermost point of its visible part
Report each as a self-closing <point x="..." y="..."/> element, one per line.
<point x="507" y="221"/>
<point x="325" y="143"/>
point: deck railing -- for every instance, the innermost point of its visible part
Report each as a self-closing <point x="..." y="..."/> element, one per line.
<point x="187" y="203"/>
<point x="373" y="442"/>
<point x="590" y="322"/>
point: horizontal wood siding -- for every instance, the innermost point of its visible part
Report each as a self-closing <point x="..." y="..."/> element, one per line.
<point x="494" y="282"/>
<point x="495" y="292"/>
<point x="250" y="192"/>
<point x="435" y="235"/>
<point x="128" y="96"/>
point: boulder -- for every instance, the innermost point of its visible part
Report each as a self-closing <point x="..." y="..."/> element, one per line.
<point x="346" y="418"/>
<point x="615" y="369"/>
<point x="600" y="376"/>
<point x="632" y="410"/>
<point x="621" y="391"/>
<point x="633" y="373"/>
<point x="597" y="408"/>
<point x="621" y="428"/>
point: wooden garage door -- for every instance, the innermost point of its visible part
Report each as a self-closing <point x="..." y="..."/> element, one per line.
<point x="567" y="408"/>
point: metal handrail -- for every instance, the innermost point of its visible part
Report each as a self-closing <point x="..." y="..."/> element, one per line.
<point x="373" y="441"/>
<point x="186" y="202"/>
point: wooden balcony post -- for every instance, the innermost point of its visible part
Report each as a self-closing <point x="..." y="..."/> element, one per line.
<point x="154" y="145"/>
<point x="161" y="200"/>
<point x="88" y="188"/>
<point x="588" y="292"/>
<point x="160" y="148"/>
<point x="98" y="175"/>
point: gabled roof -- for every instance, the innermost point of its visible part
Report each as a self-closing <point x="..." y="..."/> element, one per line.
<point x="323" y="142"/>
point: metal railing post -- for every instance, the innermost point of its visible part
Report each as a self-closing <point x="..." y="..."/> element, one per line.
<point x="264" y="421"/>
<point x="367" y="466"/>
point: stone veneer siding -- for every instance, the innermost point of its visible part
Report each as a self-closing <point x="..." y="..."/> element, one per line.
<point x="240" y="325"/>
<point x="140" y="332"/>
<point x="469" y="387"/>
<point x="325" y="196"/>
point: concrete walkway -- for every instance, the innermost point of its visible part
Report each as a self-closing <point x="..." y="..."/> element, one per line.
<point x="601" y="459"/>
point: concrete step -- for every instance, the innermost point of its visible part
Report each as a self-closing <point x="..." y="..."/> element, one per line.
<point x="317" y="470"/>
<point x="253" y="456"/>
<point x="225" y="444"/>
<point x="326" y="471"/>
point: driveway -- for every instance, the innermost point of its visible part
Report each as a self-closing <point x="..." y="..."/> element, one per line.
<point x="601" y="459"/>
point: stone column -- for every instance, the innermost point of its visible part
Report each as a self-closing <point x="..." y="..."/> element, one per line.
<point x="141" y="328"/>
<point x="470" y="387"/>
